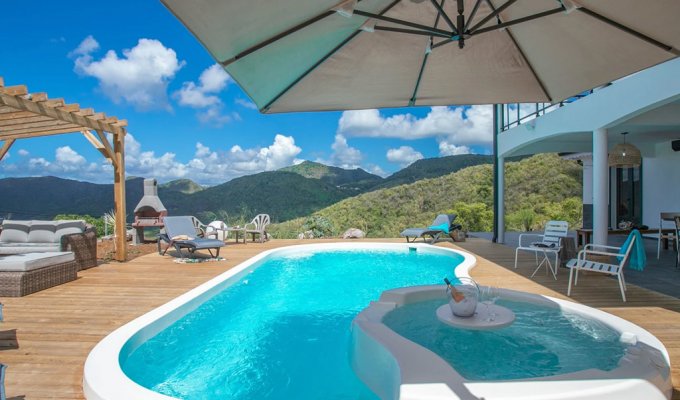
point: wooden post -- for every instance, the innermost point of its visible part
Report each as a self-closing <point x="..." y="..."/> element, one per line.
<point x="119" y="195"/>
<point x="5" y="148"/>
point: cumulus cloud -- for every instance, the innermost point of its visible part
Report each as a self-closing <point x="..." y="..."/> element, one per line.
<point x="450" y="149"/>
<point x="23" y="152"/>
<point x="404" y="156"/>
<point x="139" y="77"/>
<point x="343" y="155"/>
<point x="459" y="126"/>
<point x="204" y="96"/>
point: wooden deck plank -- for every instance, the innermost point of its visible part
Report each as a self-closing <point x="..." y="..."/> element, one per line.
<point x="47" y="336"/>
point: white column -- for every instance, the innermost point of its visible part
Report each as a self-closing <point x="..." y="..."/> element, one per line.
<point x="600" y="186"/>
<point x="500" y="218"/>
<point x="587" y="191"/>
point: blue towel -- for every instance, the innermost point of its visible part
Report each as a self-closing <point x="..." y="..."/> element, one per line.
<point x="443" y="227"/>
<point x="638" y="258"/>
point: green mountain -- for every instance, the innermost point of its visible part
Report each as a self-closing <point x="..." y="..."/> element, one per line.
<point x="282" y="195"/>
<point x="186" y="186"/>
<point x="353" y="180"/>
<point x="432" y="168"/>
<point x="538" y="188"/>
<point x="45" y="197"/>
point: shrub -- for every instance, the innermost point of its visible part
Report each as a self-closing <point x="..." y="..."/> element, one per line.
<point x="320" y="226"/>
<point x="474" y="217"/>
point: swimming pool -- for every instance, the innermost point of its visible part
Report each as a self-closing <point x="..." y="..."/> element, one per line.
<point x="276" y="326"/>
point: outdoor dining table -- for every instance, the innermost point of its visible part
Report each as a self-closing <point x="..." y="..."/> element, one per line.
<point x="238" y="231"/>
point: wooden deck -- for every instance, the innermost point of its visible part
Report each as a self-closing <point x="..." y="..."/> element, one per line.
<point x="47" y="336"/>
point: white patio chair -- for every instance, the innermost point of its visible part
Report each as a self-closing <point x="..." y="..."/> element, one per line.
<point x="583" y="264"/>
<point x="664" y="217"/>
<point x="550" y="242"/>
<point x="258" y="226"/>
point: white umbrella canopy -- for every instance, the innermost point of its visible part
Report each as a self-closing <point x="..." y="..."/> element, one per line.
<point x="309" y="55"/>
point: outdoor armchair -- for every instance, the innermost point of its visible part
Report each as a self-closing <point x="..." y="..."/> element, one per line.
<point x="442" y="224"/>
<point x="548" y="243"/>
<point x="184" y="233"/>
<point x="258" y="226"/>
<point x="586" y="262"/>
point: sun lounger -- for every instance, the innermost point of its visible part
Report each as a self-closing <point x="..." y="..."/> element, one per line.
<point x="181" y="233"/>
<point x="443" y="224"/>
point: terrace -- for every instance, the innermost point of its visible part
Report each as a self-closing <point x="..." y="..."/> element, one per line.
<point x="47" y="336"/>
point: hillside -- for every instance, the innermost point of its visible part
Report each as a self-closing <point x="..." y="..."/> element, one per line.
<point x="282" y="195"/>
<point x="45" y="197"/>
<point x="432" y="168"/>
<point x="354" y="180"/>
<point x="186" y="186"/>
<point x="538" y="188"/>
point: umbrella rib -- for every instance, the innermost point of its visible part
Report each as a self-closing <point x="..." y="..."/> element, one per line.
<point x="425" y="28"/>
<point x="630" y="31"/>
<point x="518" y="21"/>
<point x="524" y="57"/>
<point x="495" y="12"/>
<point x="412" y="100"/>
<point x="441" y="11"/>
<point x="472" y="15"/>
<point x="410" y="31"/>
<point x="277" y="37"/>
<point x="320" y="61"/>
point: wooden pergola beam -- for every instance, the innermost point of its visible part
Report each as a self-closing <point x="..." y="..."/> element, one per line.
<point x="5" y="148"/>
<point x="44" y="125"/>
<point x="18" y="120"/>
<point x="46" y="132"/>
<point x="18" y="90"/>
<point x="86" y="122"/>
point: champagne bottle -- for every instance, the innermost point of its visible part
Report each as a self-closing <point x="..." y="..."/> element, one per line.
<point x="456" y="295"/>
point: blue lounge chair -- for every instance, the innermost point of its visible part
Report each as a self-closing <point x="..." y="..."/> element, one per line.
<point x="181" y="233"/>
<point x="443" y="224"/>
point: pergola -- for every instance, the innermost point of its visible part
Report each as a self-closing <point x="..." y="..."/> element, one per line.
<point x="29" y="115"/>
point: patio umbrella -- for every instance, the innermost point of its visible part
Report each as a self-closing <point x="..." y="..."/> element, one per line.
<point x="304" y="55"/>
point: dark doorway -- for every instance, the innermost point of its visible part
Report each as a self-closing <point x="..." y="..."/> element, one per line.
<point x="629" y="195"/>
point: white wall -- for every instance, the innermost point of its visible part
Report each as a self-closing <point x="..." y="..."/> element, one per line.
<point x="660" y="184"/>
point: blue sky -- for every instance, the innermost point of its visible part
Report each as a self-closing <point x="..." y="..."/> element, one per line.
<point x="187" y="118"/>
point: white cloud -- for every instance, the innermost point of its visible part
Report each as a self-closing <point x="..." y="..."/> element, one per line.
<point x="140" y="77"/>
<point x="87" y="46"/>
<point x="463" y="126"/>
<point x="450" y="149"/>
<point x="246" y="103"/>
<point x="207" y="166"/>
<point x="375" y="169"/>
<point x="404" y="156"/>
<point x="204" y="95"/>
<point x="344" y="155"/>
<point x="23" y="152"/>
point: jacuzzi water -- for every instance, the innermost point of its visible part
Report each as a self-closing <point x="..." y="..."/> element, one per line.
<point x="282" y="330"/>
<point x="543" y="341"/>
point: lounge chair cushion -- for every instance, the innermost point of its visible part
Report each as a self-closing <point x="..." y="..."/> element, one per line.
<point x="200" y="243"/>
<point x="42" y="232"/>
<point x="68" y="228"/>
<point x="22" y="248"/>
<point x="15" y="231"/>
<point x="31" y="261"/>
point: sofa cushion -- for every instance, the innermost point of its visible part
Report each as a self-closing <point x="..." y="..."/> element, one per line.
<point x="42" y="232"/>
<point x="31" y="261"/>
<point x="68" y="228"/>
<point x="21" y="248"/>
<point x="15" y="231"/>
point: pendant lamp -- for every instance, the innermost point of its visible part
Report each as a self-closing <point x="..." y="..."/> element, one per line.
<point x="625" y="155"/>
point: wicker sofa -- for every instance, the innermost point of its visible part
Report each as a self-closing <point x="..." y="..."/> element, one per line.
<point x="21" y="237"/>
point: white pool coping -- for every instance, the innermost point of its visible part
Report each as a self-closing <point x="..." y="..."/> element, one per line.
<point x="103" y="377"/>
<point x="396" y="368"/>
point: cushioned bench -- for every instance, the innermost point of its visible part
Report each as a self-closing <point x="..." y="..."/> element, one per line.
<point x="18" y="237"/>
<point x="23" y="274"/>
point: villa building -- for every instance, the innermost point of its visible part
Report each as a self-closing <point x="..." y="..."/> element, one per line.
<point x="646" y="105"/>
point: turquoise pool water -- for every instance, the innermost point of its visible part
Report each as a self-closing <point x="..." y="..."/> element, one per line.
<point x="542" y="341"/>
<point x="282" y="330"/>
